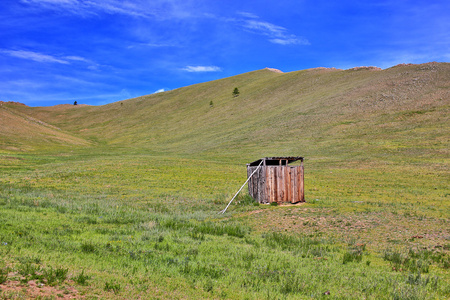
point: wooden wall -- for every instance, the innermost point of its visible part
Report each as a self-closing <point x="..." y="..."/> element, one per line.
<point x="277" y="184"/>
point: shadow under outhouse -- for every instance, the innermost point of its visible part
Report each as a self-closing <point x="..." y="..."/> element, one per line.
<point x="276" y="181"/>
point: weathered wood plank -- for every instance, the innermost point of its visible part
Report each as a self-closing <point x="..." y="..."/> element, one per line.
<point x="280" y="181"/>
<point x="277" y="183"/>
<point x="302" y="184"/>
<point x="263" y="180"/>
<point x="295" y="195"/>
<point x="268" y="187"/>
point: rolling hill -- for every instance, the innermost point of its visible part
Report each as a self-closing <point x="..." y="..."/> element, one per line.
<point x="122" y="200"/>
<point x="357" y="113"/>
<point x="20" y="131"/>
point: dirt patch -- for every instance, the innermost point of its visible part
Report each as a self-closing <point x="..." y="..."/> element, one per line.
<point x="371" y="68"/>
<point x="274" y="70"/>
<point x="14" y="289"/>
<point x="326" y="69"/>
<point x="17" y="287"/>
<point x="378" y="230"/>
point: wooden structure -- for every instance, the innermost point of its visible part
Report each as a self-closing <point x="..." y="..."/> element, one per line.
<point x="276" y="181"/>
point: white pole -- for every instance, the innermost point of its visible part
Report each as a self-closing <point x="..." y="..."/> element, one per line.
<point x="223" y="211"/>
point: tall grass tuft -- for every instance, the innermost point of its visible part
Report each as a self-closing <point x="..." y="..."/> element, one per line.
<point x="53" y="276"/>
<point x="300" y="245"/>
<point x="206" y="227"/>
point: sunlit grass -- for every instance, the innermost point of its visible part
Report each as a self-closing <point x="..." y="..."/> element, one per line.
<point x="127" y="196"/>
<point x="128" y="221"/>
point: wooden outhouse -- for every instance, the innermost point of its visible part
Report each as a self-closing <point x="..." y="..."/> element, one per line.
<point x="273" y="180"/>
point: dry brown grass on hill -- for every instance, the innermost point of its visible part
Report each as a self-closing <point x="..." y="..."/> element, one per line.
<point x="314" y="104"/>
<point x="11" y="103"/>
<point x="21" y="131"/>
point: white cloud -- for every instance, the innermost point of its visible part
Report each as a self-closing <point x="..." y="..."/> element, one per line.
<point x="265" y="28"/>
<point x="202" y="69"/>
<point x="276" y="34"/>
<point x="45" y="58"/>
<point x="69" y="6"/>
<point x="92" y="65"/>
<point x="152" y="45"/>
<point x="159" y="91"/>
<point x="114" y="7"/>
<point x="125" y="94"/>
<point x="78" y="58"/>
<point x="140" y="9"/>
<point x="168" y="10"/>
<point x="290" y="41"/>
<point x="55" y="2"/>
<point x="248" y="15"/>
<point x="35" y="56"/>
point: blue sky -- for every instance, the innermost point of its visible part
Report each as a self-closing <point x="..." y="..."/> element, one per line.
<point x="101" y="51"/>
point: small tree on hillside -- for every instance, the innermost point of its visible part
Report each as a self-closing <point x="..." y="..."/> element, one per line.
<point x="236" y="92"/>
<point x="75" y="103"/>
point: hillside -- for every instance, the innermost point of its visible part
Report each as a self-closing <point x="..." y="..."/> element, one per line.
<point x="21" y="131"/>
<point x="121" y="201"/>
<point x="354" y="113"/>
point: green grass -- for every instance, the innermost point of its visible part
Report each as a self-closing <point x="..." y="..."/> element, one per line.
<point x="123" y="201"/>
<point x="123" y="224"/>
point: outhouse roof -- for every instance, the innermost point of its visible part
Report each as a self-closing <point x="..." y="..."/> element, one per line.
<point x="277" y="160"/>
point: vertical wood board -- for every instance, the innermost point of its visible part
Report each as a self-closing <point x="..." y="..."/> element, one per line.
<point x="277" y="184"/>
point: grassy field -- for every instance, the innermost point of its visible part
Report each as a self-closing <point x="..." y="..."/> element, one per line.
<point x="122" y="201"/>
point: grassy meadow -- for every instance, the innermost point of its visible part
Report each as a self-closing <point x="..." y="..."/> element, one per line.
<point x="122" y="201"/>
